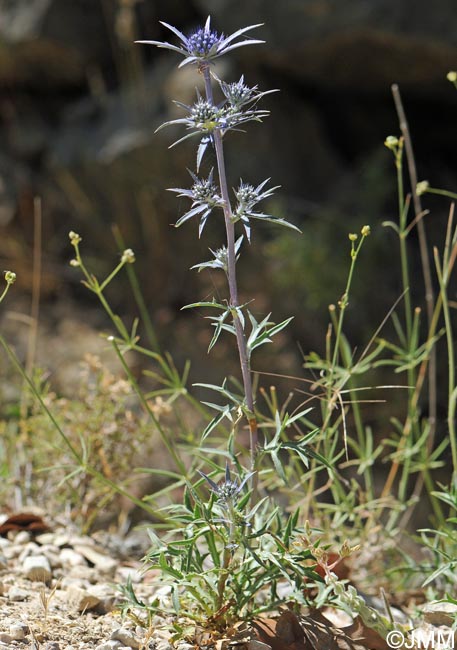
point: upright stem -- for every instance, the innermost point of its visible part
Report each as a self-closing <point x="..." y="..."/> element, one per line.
<point x="425" y="259"/>
<point x="232" y="282"/>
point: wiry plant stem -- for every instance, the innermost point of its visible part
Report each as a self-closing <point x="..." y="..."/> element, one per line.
<point x="232" y="281"/>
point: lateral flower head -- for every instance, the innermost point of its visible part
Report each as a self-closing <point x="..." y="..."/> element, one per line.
<point x="220" y="258"/>
<point x="204" y="44"/>
<point x="204" y="196"/>
<point x="203" y="118"/>
<point x="247" y="197"/>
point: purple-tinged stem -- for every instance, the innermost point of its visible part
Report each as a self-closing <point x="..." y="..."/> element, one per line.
<point x="231" y="277"/>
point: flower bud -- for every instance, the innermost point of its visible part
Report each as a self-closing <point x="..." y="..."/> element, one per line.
<point x="128" y="256"/>
<point x="10" y="277"/>
<point x="74" y="262"/>
<point x="366" y="230"/>
<point x="452" y="76"/>
<point x="74" y="238"/>
<point x="352" y="236"/>
<point x="422" y="187"/>
<point x="391" y="142"/>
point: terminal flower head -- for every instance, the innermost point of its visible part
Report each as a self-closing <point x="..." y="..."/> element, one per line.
<point x="204" y="44"/>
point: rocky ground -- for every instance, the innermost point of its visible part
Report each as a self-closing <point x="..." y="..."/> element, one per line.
<point x="60" y="591"/>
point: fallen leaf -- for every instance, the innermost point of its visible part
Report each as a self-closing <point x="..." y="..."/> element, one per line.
<point x="369" y="637"/>
<point x="24" y="521"/>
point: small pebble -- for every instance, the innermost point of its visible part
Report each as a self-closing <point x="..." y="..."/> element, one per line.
<point x="16" y="594"/>
<point x="22" y="537"/>
<point x="3" y="562"/>
<point x="69" y="557"/>
<point x="109" y="645"/>
<point x="37" y="569"/>
<point x="6" y="638"/>
<point x="28" y="549"/>
<point x="52" y="645"/>
<point x="440" y="613"/>
<point x="104" y="563"/>
<point x="18" y="631"/>
<point x="81" y="599"/>
<point x="125" y="637"/>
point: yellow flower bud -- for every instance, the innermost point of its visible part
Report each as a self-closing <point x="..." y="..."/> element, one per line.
<point x="391" y="142"/>
<point x="422" y="187"/>
<point x="352" y="236"/>
<point x="366" y="230"/>
<point x="10" y="277"/>
<point x="74" y="238"/>
<point x="128" y="256"/>
<point x="452" y="76"/>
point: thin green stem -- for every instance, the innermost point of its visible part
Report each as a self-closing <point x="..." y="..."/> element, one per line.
<point x="71" y="448"/>
<point x="344" y="301"/>
<point x="447" y="193"/>
<point x="138" y="296"/>
<point x="5" y="291"/>
<point x="170" y="447"/>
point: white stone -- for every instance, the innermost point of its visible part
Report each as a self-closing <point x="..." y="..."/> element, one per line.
<point x="22" y="537"/>
<point x="16" y="594"/>
<point x="126" y="637"/>
<point x="71" y="558"/>
<point x="37" y="568"/>
<point x="29" y="549"/>
<point x="440" y="613"/>
<point x="18" y="631"/>
<point x="104" y="563"/>
<point x="81" y="599"/>
<point x="109" y="645"/>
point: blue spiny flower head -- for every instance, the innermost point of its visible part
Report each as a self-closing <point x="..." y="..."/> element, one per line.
<point x="205" y="115"/>
<point x="247" y="195"/>
<point x="239" y="94"/>
<point x="228" y="490"/>
<point x="204" y="44"/>
<point x="204" y="189"/>
<point x="204" y="196"/>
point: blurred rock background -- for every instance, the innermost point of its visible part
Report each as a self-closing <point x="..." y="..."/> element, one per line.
<point x="79" y="103"/>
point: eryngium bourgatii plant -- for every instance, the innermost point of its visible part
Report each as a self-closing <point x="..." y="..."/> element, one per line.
<point x="210" y="121"/>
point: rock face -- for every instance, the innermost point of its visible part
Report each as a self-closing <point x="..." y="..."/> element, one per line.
<point x="79" y="104"/>
<point x="50" y="41"/>
<point x="323" y="39"/>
